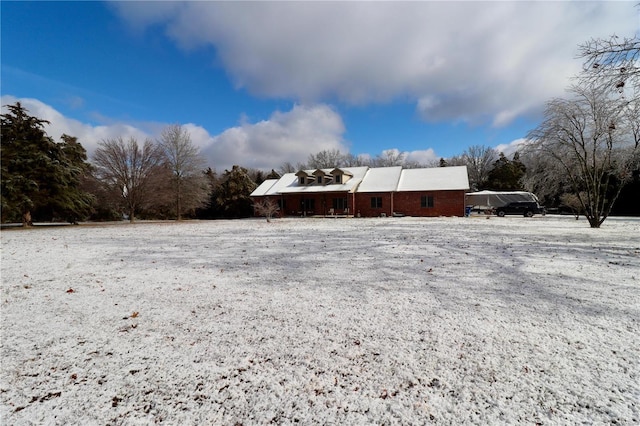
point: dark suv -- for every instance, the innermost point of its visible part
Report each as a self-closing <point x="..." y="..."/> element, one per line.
<point x="525" y="208"/>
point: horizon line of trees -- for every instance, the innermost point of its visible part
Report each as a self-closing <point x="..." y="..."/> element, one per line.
<point x="584" y="156"/>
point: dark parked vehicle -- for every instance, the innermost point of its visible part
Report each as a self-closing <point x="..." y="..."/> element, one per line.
<point x="525" y="208"/>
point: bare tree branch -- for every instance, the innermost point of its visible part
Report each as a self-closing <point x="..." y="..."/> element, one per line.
<point x="130" y="169"/>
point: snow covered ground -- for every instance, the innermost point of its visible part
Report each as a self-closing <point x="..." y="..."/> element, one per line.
<point x="322" y="321"/>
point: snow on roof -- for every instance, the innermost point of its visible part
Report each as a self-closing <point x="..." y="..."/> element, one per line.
<point x="378" y="179"/>
<point x="434" y="179"/>
<point x="289" y="182"/>
<point x="381" y="179"/>
<point x="264" y="188"/>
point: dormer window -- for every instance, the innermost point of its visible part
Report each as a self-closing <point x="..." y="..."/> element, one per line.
<point x="340" y="176"/>
<point x="320" y="180"/>
<point x="304" y="178"/>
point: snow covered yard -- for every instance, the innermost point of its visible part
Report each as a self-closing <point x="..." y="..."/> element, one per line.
<point x="341" y="321"/>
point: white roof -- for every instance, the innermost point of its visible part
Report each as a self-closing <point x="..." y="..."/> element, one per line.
<point x="381" y="179"/>
<point x="434" y="179"/>
<point x="264" y="188"/>
<point x="289" y="182"/>
<point x="378" y="179"/>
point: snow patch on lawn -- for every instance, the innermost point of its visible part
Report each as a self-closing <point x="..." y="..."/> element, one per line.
<point x="386" y="321"/>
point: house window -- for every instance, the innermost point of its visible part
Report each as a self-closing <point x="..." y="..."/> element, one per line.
<point x="301" y="180"/>
<point x="339" y="203"/>
<point x="320" y="180"/>
<point x="426" y="201"/>
<point x="338" y="178"/>
<point x="376" y="202"/>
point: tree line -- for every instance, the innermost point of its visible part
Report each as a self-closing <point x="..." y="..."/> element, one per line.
<point x="45" y="180"/>
<point x="584" y="156"/>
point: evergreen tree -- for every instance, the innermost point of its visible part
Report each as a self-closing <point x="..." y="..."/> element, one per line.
<point x="39" y="175"/>
<point x="233" y="193"/>
<point x="273" y="175"/>
<point x="506" y="175"/>
<point x="63" y="191"/>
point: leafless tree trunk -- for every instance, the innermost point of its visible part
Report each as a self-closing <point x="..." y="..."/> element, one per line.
<point x="129" y="168"/>
<point x="187" y="165"/>
<point x="593" y="138"/>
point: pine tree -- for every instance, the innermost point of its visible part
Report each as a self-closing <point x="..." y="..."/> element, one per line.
<point x="233" y="193"/>
<point x="506" y="175"/>
<point x="38" y="174"/>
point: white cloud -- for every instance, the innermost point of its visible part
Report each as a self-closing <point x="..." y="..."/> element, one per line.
<point x="88" y="135"/>
<point x="286" y="136"/>
<point x="425" y="157"/>
<point x="508" y="149"/>
<point x="469" y="61"/>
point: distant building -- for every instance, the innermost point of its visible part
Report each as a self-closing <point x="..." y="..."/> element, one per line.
<point x="369" y="191"/>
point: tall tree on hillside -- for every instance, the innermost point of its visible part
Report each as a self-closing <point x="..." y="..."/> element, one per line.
<point x="39" y="174"/>
<point x="188" y="183"/>
<point x="132" y="171"/>
<point x="593" y="138"/>
<point x="233" y="193"/>
<point x="479" y="160"/>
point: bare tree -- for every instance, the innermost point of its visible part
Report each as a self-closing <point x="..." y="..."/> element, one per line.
<point x="183" y="158"/>
<point x="287" y="167"/>
<point x="479" y="160"/>
<point x="593" y="139"/>
<point x="611" y="61"/>
<point x="545" y="177"/>
<point x="266" y="207"/>
<point x="351" y="160"/>
<point x="389" y="158"/>
<point x="572" y="202"/>
<point x="133" y="171"/>
<point x="325" y="159"/>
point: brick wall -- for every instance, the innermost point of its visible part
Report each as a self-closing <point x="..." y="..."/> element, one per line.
<point x="363" y="204"/>
<point x="445" y="203"/>
<point x="322" y="203"/>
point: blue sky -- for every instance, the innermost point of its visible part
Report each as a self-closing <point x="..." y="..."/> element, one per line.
<point x="258" y="84"/>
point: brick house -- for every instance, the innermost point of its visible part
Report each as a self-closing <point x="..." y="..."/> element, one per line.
<point x="369" y="191"/>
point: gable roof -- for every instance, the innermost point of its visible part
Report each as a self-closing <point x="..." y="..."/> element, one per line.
<point x="289" y="183"/>
<point x="434" y="179"/>
<point x="376" y="179"/>
<point x="381" y="179"/>
<point x="264" y="188"/>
